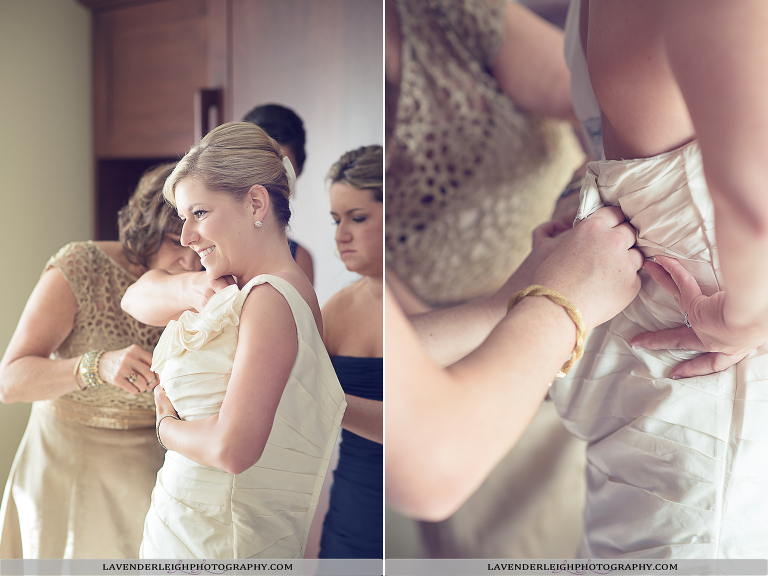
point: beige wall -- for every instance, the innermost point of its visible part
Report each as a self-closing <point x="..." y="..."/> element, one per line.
<point x="45" y="157"/>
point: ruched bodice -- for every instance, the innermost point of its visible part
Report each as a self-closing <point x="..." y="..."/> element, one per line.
<point x="676" y="468"/>
<point x="266" y="511"/>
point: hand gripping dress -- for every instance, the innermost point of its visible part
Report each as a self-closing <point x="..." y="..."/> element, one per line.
<point x="266" y="511"/>
<point x="80" y="483"/>
<point x="675" y="468"/>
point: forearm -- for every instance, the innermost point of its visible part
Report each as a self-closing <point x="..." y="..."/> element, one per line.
<point x="743" y="252"/>
<point x="158" y="297"/>
<point x="365" y="418"/>
<point x="494" y="392"/>
<point x="31" y="378"/>
<point x="451" y="333"/>
<point x="208" y="441"/>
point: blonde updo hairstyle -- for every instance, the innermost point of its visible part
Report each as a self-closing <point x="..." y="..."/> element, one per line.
<point x="146" y="218"/>
<point x="362" y="168"/>
<point x="231" y="158"/>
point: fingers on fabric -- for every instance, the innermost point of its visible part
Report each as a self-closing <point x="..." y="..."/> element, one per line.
<point x="706" y="364"/>
<point x="682" y="338"/>
<point x="686" y="284"/>
<point x="663" y="279"/>
<point x="135" y="361"/>
<point x="610" y="215"/>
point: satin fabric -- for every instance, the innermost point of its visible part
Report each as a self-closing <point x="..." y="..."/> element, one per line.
<point x="675" y="468"/>
<point x="266" y="511"/>
<point x="354" y="524"/>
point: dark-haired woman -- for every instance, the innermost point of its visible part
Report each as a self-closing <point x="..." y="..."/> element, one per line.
<point x="81" y="480"/>
<point x="354" y="338"/>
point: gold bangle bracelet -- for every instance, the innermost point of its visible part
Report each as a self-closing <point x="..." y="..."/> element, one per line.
<point x="76" y="373"/>
<point x="573" y="313"/>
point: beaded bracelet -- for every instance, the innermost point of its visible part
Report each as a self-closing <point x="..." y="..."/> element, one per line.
<point x="89" y="368"/>
<point x="573" y="313"/>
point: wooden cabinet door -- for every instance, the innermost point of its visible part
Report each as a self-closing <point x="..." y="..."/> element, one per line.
<point x="150" y="61"/>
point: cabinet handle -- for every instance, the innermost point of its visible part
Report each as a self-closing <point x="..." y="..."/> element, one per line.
<point x="209" y="111"/>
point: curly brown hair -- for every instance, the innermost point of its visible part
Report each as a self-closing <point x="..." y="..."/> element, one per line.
<point x="147" y="217"/>
<point x="362" y="168"/>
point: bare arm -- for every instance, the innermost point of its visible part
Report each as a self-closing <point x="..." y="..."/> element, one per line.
<point x="26" y="371"/>
<point x="234" y="439"/>
<point x="530" y="66"/>
<point x="353" y="326"/>
<point x="451" y="333"/>
<point x="364" y="417"/>
<point x="159" y="296"/>
<point x="722" y="79"/>
<point x="436" y="418"/>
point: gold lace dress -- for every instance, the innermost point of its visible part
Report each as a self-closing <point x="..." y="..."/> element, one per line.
<point x="81" y="480"/>
<point x="470" y="174"/>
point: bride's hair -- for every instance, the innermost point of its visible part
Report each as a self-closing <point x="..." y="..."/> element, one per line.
<point x="362" y="168"/>
<point x="232" y="158"/>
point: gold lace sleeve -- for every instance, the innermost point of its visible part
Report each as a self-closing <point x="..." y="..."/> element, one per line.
<point x="98" y="283"/>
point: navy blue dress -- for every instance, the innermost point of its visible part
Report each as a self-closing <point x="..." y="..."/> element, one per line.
<point x="353" y="527"/>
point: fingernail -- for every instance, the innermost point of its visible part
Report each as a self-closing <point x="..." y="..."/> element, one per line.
<point x="637" y="346"/>
<point x="675" y="377"/>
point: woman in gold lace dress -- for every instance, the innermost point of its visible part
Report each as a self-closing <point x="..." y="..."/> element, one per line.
<point x="82" y="477"/>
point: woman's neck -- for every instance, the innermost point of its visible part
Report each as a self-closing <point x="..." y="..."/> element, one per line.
<point x="375" y="285"/>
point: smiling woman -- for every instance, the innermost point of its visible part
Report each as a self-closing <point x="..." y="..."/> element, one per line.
<point x="248" y="396"/>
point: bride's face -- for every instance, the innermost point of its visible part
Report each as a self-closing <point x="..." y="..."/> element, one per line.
<point x="217" y="226"/>
<point x="359" y="228"/>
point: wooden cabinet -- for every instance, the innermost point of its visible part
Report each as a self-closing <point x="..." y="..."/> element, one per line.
<point x="166" y="71"/>
<point x="150" y="61"/>
<point x="159" y="73"/>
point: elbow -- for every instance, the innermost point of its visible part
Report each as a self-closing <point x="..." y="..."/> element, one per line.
<point x="126" y="302"/>
<point x="421" y="502"/>
<point x="6" y="391"/>
<point x="237" y="459"/>
<point x="430" y="493"/>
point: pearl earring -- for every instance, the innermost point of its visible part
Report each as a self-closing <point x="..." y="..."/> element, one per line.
<point x="258" y="223"/>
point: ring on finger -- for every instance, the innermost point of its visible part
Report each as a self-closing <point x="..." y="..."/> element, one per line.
<point x="132" y="378"/>
<point x="686" y="321"/>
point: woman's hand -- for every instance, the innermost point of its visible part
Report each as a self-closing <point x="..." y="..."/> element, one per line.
<point x="163" y="405"/>
<point x="709" y="331"/>
<point x="595" y="267"/>
<point x="128" y="368"/>
<point x="201" y="288"/>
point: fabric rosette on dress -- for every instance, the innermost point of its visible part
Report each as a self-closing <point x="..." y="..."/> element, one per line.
<point x="202" y="512"/>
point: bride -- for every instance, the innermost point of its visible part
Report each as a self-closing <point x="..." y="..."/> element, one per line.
<point x="249" y="405"/>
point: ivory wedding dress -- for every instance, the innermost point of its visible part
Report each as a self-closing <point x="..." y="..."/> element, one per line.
<point x="202" y="512"/>
<point x="675" y="468"/>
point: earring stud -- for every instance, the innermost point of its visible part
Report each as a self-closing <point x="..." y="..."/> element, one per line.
<point x="258" y="223"/>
